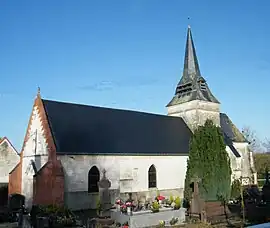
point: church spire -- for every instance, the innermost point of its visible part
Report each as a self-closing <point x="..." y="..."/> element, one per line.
<point x="191" y="65"/>
<point x="192" y="85"/>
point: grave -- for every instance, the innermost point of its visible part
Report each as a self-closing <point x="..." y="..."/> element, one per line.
<point x="266" y="188"/>
<point x="147" y="218"/>
<point x="197" y="207"/>
<point x="103" y="218"/>
<point x="104" y="195"/>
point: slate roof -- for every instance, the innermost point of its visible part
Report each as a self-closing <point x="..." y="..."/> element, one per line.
<point x="230" y="129"/>
<point x="192" y="85"/>
<point x="82" y="129"/>
<point x="231" y="133"/>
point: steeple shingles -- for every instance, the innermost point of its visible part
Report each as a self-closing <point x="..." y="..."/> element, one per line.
<point x="192" y="85"/>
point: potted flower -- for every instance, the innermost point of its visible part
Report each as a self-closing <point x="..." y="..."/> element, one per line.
<point x="125" y="225"/>
<point x="177" y="203"/>
<point x="129" y="205"/>
<point x="118" y="204"/>
<point x="160" y="199"/>
<point x="155" y="207"/>
<point x="123" y="208"/>
<point x="161" y="223"/>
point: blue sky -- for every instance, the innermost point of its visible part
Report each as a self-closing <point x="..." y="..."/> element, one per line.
<point x="128" y="54"/>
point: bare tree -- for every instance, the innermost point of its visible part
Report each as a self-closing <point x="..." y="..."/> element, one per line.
<point x="251" y="137"/>
<point x="266" y="145"/>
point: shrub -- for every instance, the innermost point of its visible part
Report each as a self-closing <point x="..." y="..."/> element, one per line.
<point x="235" y="189"/>
<point x="209" y="160"/>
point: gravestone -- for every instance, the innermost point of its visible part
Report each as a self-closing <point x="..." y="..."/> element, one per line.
<point x="266" y="187"/>
<point x="197" y="206"/>
<point x="104" y="195"/>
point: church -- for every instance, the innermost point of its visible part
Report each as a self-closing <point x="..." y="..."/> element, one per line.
<point x="68" y="146"/>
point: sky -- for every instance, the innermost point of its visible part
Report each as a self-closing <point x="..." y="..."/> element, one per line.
<point x="129" y="54"/>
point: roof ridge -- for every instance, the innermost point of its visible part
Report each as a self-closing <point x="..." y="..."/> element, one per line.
<point x="110" y="108"/>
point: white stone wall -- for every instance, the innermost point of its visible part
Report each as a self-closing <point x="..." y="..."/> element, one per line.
<point x="196" y="112"/>
<point x="171" y="172"/>
<point x="8" y="160"/>
<point x="243" y="149"/>
<point x="35" y="150"/>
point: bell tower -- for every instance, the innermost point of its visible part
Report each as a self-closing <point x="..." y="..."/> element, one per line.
<point x="193" y="100"/>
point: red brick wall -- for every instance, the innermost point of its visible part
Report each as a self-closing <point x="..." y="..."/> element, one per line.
<point x="15" y="180"/>
<point x="49" y="184"/>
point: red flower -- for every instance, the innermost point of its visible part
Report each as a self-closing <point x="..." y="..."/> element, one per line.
<point x="160" y="198"/>
<point x="118" y="201"/>
<point x="124" y="206"/>
<point x="125" y="226"/>
<point x="128" y="204"/>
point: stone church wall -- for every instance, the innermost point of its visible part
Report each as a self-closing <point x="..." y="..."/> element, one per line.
<point x="170" y="176"/>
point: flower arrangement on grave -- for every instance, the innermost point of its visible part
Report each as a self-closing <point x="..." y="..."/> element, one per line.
<point x="171" y="200"/>
<point x="155" y="207"/>
<point x="160" y="198"/>
<point x="177" y="203"/>
<point x="129" y="204"/>
<point x="173" y="221"/>
<point x="125" y="225"/>
<point x="161" y="223"/>
<point x="123" y="208"/>
<point x="118" y="203"/>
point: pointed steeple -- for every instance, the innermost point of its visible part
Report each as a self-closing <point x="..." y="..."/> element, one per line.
<point x="192" y="85"/>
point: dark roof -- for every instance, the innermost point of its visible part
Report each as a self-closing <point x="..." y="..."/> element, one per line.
<point x="231" y="133"/>
<point x="82" y="129"/>
<point x="230" y="129"/>
<point x="192" y="85"/>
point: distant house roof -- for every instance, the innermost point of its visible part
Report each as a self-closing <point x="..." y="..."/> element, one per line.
<point x="6" y="140"/>
<point x="82" y="129"/>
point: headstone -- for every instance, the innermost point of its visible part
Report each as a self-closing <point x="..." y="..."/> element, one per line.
<point x="104" y="195"/>
<point x="15" y="202"/>
<point x="266" y="187"/>
<point x="197" y="203"/>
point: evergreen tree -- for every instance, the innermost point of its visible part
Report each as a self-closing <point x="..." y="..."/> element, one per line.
<point x="209" y="160"/>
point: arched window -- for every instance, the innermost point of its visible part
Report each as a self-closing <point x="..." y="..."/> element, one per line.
<point x="93" y="179"/>
<point x="152" y="177"/>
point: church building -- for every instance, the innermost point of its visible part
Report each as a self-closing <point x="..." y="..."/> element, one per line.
<point x="68" y="146"/>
